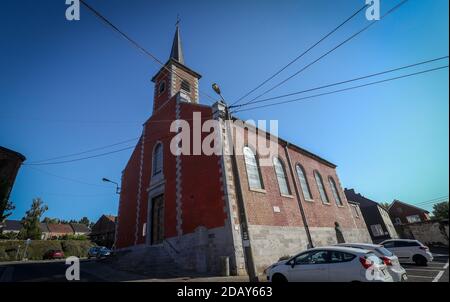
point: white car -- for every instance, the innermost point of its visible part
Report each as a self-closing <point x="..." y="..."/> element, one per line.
<point x="330" y="264"/>
<point x="408" y="250"/>
<point x="393" y="266"/>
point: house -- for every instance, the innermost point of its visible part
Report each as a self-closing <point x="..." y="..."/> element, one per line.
<point x="10" y="162"/>
<point x="103" y="231"/>
<point x="15" y="226"/>
<point x="58" y="230"/>
<point x="45" y="232"/>
<point x="11" y="226"/>
<point x="402" y="213"/>
<point x="376" y="217"/>
<point x="80" y="229"/>
<point x="197" y="209"/>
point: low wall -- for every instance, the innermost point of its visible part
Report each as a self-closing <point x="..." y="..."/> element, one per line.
<point x="433" y="233"/>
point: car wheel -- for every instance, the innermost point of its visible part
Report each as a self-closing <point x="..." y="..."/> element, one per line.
<point x="420" y="260"/>
<point x="279" y="278"/>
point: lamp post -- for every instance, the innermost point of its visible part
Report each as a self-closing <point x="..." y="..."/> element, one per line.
<point x="248" y="254"/>
<point x="117" y="185"/>
<point x="117" y="219"/>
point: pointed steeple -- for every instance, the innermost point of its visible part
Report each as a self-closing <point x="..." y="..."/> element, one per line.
<point x="177" y="49"/>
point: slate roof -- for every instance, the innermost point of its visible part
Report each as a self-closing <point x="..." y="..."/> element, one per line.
<point x="79" y="228"/>
<point x="12" y="225"/>
<point x="59" y="228"/>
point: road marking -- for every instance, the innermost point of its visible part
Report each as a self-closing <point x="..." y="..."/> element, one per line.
<point x="436" y="279"/>
<point x="7" y="274"/>
<point x="415" y="276"/>
<point x="446" y="265"/>
<point x="422" y="270"/>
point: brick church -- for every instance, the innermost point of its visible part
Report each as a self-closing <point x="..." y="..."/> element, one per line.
<point x="194" y="210"/>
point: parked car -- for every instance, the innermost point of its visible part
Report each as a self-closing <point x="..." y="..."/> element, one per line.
<point x="104" y="252"/>
<point x="92" y="252"/>
<point x="393" y="266"/>
<point x="99" y="252"/>
<point x="330" y="264"/>
<point x="409" y="251"/>
<point x="54" y="254"/>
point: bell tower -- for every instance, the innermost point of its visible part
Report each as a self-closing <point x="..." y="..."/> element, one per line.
<point x="175" y="77"/>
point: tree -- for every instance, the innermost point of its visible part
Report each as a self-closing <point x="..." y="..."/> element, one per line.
<point x="6" y="206"/>
<point x="84" y="221"/>
<point x="440" y="210"/>
<point x="50" y="220"/>
<point x="30" y="223"/>
<point x="385" y="205"/>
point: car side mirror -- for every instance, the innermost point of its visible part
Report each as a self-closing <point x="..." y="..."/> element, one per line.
<point x="292" y="264"/>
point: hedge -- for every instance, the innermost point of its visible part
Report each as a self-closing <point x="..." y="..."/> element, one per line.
<point x="9" y="249"/>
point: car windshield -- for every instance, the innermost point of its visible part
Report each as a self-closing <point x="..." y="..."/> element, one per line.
<point x="383" y="251"/>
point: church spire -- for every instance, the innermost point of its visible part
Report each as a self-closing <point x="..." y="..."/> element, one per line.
<point x="177" y="50"/>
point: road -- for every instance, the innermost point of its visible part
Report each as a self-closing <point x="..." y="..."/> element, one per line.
<point x="41" y="271"/>
<point x="435" y="271"/>
<point x="93" y="271"/>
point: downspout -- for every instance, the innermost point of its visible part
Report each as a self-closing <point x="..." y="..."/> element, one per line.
<point x="297" y="193"/>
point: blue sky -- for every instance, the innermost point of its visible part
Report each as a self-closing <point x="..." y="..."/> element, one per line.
<point x="70" y="86"/>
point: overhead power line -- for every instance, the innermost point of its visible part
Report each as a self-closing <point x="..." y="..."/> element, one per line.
<point x="432" y="201"/>
<point x="301" y="55"/>
<point x="83" y="152"/>
<point x="344" y="89"/>
<point x="46" y="161"/>
<point x="136" y="44"/>
<point x="328" y="52"/>
<point x="67" y="178"/>
<point x="342" y="82"/>
<point x="93" y="156"/>
<point x="78" y="159"/>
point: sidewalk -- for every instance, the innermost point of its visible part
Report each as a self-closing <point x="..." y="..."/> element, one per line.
<point x="105" y="272"/>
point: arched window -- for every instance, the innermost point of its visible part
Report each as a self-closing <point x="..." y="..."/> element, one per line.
<point x="337" y="198"/>
<point x="320" y="186"/>
<point x="157" y="159"/>
<point x="281" y="177"/>
<point x="162" y="87"/>
<point x="253" y="172"/>
<point x="303" y="182"/>
<point x="185" y="86"/>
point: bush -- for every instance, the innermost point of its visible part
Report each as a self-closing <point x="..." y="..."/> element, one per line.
<point x="9" y="249"/>
<point x="77" y="248"/>
<point x="8" y="236"/>
<point x="74" y="237"/>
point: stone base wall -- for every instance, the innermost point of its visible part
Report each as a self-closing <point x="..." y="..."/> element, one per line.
<point x="433" y="233"/>
<point x="327" y="236"/>
<point x="202" y="250"/>
<point x="269" y="243"/>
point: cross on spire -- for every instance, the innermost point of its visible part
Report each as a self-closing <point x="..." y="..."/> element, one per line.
<point x="177" y="50"/>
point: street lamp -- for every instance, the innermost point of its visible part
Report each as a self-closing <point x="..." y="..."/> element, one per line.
<point x="216" y="89"/>
<point x="117" y="185"/>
